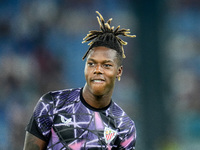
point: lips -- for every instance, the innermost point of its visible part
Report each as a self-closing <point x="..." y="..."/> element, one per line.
<point x="98" y="80"/>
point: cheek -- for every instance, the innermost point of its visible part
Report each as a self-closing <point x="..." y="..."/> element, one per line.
<point x="112" y="75"/>
<point x="87" y="72"/>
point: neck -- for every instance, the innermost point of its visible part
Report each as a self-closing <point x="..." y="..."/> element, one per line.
<point x="96" y="101"/>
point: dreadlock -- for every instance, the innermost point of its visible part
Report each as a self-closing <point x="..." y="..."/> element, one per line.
<point x="107" y="36"/>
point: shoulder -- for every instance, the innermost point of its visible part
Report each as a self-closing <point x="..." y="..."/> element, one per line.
<point x="66" y="97"/>
<point x="64" y="94"/>
<point x="121" y="115"/>
<point x="58" y="98"/>
<point x="69" y="95"/>
<point x="125" y="124"/>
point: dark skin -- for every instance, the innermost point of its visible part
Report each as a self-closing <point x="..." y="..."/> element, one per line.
<point x="34" y="143"/>
<point x="101" y="70"/>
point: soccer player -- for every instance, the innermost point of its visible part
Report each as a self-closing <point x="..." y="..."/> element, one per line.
<point x="86" y="118"/>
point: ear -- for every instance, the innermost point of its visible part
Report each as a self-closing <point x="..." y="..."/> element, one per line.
<point x="119" y="71"/>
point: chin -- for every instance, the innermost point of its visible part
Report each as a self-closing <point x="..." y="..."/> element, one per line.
<point x="98" y="91"/>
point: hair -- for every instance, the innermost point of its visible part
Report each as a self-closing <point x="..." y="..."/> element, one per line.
<point x="108" y="37"/>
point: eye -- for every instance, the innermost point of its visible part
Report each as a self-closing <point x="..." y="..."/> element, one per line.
<point x="90" y="64"/>
<point x="107" y="65"/>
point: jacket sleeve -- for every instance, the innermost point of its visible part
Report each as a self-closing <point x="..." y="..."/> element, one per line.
<point x="128" y="143"/>
<point x="41" y="121"/>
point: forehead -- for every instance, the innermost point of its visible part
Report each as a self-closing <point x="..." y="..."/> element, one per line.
<point x="102" y="52"/>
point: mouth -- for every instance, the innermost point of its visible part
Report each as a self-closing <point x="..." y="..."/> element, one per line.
<point x="98" y="80"/>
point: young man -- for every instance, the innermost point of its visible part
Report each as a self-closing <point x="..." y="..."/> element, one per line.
<point x="86" y="118"/>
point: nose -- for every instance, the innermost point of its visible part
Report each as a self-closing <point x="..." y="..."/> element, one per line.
<point x="98" y="69"/>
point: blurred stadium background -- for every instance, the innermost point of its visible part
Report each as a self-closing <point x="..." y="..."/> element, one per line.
<point x="41" y="50"/>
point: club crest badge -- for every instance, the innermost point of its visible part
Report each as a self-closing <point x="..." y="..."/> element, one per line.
<point x="109" y="134"/>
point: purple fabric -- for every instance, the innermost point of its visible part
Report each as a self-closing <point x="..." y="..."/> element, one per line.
<point x="69" y="123"/>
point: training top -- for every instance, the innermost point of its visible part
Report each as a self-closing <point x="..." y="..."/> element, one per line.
<point x="67" y="122"/>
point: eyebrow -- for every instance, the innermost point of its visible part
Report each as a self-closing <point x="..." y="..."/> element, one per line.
<point x="105" y="61"/>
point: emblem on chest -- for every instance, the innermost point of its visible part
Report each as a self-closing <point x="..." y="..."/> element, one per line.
<point x="109" y="134"/>
<point x="66" y="121"/>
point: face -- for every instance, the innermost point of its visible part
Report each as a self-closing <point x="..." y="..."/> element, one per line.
<point x="101" y="71"/>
